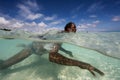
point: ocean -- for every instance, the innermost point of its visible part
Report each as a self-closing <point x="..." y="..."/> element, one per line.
<point x="100" y="49"/>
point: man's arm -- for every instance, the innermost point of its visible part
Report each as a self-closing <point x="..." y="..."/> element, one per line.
<point x="55" y="57"/>
<point x="66" y="51"/>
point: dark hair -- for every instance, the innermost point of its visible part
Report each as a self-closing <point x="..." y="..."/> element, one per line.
<point x="68" y="25"/>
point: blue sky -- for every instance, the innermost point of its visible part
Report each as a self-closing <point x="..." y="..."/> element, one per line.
<point x="92" y="15"/>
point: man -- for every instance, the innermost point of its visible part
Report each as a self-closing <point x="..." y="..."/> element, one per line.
<point x="54" y="56"/>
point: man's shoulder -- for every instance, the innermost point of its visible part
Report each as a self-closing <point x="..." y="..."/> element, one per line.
<point x="62" y="31"/>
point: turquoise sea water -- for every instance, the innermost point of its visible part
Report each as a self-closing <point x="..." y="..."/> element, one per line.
<point x="39" y="68"/>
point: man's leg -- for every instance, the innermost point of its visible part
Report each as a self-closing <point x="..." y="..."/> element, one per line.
<point x="16" y="58"/>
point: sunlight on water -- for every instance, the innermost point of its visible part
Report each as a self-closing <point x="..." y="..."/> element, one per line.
<point x="39" y="68"/>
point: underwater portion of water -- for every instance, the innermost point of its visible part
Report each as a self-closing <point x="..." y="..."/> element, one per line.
<point x="105" y="56"/>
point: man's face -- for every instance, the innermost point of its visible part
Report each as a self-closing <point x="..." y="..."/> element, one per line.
<point x="72" y="28"/>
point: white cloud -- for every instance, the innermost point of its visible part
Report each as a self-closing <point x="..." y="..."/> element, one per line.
<point x="32" y="4"/>
<point x="92" y="16"/>
<point x="24" y="9"/>
<point x="77" y="9"/>
<point x="88" y="25"/>
<point x="95" y="6"/>
<point x="32" y="24"/>
<point x="116" y="18"/>
<point x="17" y="25"/>
<point x="57" y="22"/>
<point x="34" y="16"/>
<point x="11" y="23"/>
<point x="3" y="21"/>
<point x="96" y="22"/>
<point x="42" y="24"/>
<point x="82" y="20"/>
<point x="28" y="10"/>
<point x="74" y="16"/>
<point x="82" y="26"/>
<point x="50" y="18"/>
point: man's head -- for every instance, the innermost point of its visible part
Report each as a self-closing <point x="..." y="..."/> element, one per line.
<point x="70" y="27"/>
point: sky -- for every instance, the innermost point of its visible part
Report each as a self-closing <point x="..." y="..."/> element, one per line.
<point x="88" y="15"/>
